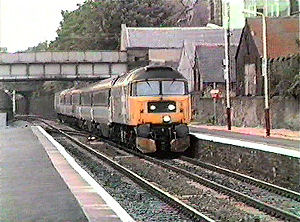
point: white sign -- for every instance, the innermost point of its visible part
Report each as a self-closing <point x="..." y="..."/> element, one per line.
<point x="3" y="120"/>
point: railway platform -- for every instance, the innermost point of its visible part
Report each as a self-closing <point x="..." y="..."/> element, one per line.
<point x="273" y="159"/>
<point x="40" y="182"/>
<point x="281" y="141"/>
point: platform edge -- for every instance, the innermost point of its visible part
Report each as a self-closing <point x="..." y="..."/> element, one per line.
<point x="111" y="202"/>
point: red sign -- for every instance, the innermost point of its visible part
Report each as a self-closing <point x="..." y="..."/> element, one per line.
<point x="215" y="93"/>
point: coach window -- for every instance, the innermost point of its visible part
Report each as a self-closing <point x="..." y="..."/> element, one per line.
<point x="67" y="99"/>
<point x="86" y="99"/>
<point x="61" y="99"/>
<point x="75" y="99"/>
<point x="100" y="98"/>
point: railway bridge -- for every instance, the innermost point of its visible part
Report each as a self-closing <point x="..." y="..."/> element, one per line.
<point x="23" y="68"/>
<point x="45" y="66"/>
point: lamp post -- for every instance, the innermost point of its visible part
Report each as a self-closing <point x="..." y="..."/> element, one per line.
<point x="227" y="61"/>
<point x="0" y="23"/>
<point x="264" y="71"/>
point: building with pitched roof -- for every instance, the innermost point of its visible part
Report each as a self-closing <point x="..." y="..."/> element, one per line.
<point x="201" y="62"/>
<point x="162" y="44"/>
<point x="282" y="49"/>
<point x="173" y="46"/>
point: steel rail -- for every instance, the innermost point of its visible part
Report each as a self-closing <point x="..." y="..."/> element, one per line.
<point x="188" y="210"/>
<point x="273" y="211"/>
<point x="267" y="208"/>
<point x="262" y="184"/>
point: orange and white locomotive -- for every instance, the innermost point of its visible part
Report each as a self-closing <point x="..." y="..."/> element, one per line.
<point x="148" y="108"/>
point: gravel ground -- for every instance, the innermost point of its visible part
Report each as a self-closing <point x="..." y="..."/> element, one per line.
<point x="219" y="207"/>
<point x="140" y="204"/>
<point x="263" y="195"/>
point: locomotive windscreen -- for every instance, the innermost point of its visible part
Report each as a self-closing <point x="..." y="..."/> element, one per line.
<point x="155" y="88"/>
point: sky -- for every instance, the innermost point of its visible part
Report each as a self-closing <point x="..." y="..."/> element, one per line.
<point x="25" y="23"/>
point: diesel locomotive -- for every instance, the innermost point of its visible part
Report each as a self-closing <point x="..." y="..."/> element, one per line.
<point x="147" y="108"/>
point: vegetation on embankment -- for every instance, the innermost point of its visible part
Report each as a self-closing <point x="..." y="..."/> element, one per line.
<point x="97" y="25"/>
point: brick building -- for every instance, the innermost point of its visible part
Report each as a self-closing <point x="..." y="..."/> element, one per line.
<point x="282" y="50"/>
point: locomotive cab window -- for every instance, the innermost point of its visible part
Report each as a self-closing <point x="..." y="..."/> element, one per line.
<point x="155" y="88"/>
<point x="146" y="88"/>
<point x="173" y="88"/>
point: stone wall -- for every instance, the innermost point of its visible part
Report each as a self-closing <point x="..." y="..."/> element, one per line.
<point x="6" y="105"/>
<point x="249" y="111"/>
<point x="41" y="105"/>
<point x="270" y="167"/>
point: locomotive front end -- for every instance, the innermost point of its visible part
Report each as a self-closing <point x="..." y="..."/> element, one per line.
<point x="160" y="108"/>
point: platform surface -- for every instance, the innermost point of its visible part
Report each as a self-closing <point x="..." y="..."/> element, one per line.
<point x="30" y="187"/>
<point x="38" y="183"/>
<point x="277" y="145"/>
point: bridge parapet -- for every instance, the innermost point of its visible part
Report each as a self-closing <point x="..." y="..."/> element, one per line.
<point x="64" y="57"/>
<point x="61" y="65"/>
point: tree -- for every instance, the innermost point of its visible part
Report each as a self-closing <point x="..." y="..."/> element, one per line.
<point x="97" y="25"/>
<point x="294" y="89"/>
<point x="3" y="49"/>
<point x="285" y="81"/>
<point x="42" y="46"/>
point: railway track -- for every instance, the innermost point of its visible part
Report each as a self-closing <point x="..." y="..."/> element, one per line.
<point x="244" y="178"/>
<point x="265" y="207"/>
<point x="168" y="198"/>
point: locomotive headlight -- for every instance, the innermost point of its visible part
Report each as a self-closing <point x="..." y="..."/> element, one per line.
<point x="166" y="119"/>
<point x="152" y="107"/>
<point x="171" y="107"/>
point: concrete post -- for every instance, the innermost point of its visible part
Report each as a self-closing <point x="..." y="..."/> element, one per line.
<point x="14" y="102"/>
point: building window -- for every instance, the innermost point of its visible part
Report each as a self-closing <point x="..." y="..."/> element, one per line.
<point x="271" y="7"/>
<point x="260" y="10"/>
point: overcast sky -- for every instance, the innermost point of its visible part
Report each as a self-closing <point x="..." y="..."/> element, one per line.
<point x="25" y="23"/>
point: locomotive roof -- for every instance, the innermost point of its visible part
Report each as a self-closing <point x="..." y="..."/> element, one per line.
<point x="152" y="72"/>
<point x="156" y="72"/>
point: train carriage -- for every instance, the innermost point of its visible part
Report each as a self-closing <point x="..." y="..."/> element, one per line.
<point x="148" y="108"/>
